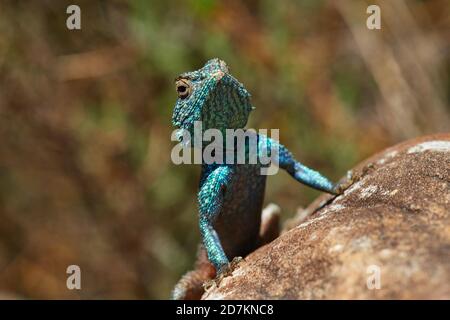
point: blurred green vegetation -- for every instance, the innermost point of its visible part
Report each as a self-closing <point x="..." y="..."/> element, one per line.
<point x="85" y="121"/>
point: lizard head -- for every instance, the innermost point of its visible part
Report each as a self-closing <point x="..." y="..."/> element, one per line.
<point x="211" y="95"/>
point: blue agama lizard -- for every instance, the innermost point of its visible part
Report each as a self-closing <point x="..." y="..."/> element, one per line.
<point x="230" y="196"/>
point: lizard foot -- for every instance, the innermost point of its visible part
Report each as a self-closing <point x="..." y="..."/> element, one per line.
<point x="351" y="178"/>
<point x="344" y="185"/>
<point x="233" y="264"/>
<point x="224" y="272"/>
<point x="228" y="269"/>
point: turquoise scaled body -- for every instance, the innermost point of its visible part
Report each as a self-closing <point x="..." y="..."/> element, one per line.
<point x="230" y="196"/>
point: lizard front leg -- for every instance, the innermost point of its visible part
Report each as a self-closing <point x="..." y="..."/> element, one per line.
<point x="301" y="172"/>
<point x="211" y="241"/>
<point x="210" y="199"/>
<point x="211" y="258"/>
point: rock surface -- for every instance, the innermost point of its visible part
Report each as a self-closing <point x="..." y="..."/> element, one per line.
<point x="394" y="219"/>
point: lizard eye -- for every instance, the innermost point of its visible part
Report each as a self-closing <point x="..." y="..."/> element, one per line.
<point x="183" y="88"/>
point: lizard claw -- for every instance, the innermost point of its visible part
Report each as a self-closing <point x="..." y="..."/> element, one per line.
<point x="343" y="185"/>
<point x="225" y="271"/>
<point x="234" y="263"/>
<point x="228" y="268"/>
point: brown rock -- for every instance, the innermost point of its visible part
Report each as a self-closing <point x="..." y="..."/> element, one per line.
<point x="395" y="219"/>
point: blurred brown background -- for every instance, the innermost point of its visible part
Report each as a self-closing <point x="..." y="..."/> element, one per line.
<point x="85" y="121"/>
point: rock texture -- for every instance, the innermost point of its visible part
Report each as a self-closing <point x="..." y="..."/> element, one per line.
<point x="394" y="219"/>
